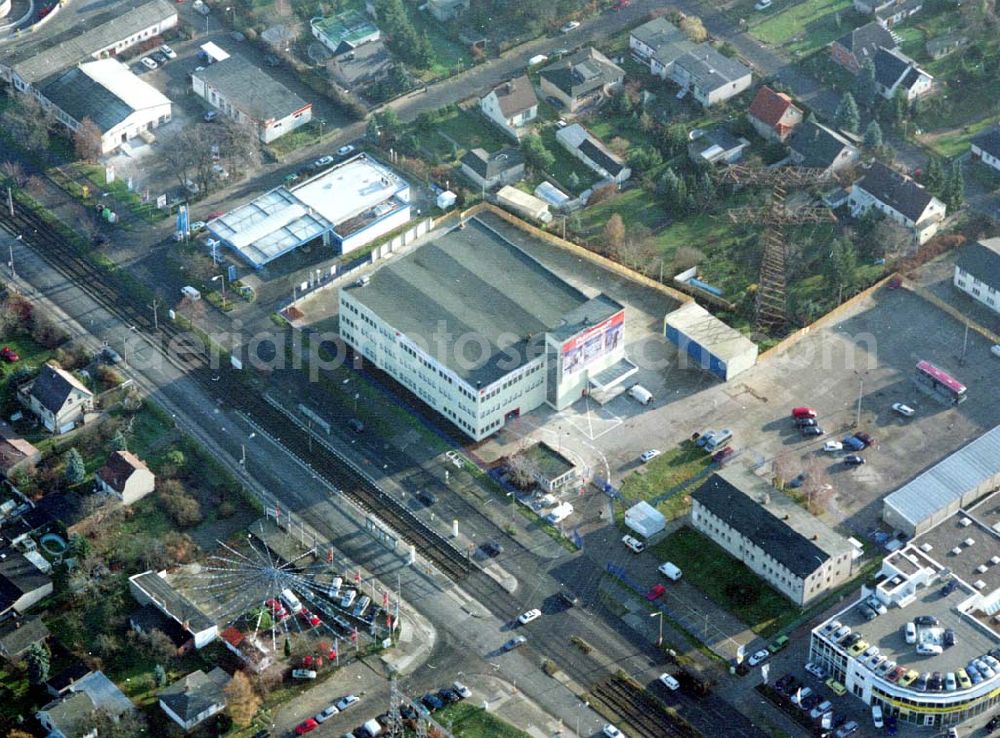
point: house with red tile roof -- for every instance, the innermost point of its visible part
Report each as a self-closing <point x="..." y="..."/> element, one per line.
<point x="773" y="114"/>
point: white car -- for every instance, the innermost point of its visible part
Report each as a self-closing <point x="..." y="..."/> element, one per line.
<point x="149" y="63"/>
<point x="816" y="671"/>
<point x="821" y="709"/>
<point x="902" y="409"/>
<point x="198" y="225"/>
<point x="168" y="52"/>
<point x="322" y="717"/>
<point x="566" y="29"/>
<point x="323" y="161"/>
<point x="911" y="632"/>
<point x="762" y="5"/>
<point x="669" y="682"/>
<point x="995" y="349"/>
<point x="877" y="716"/>
<point x="345" y="150"/>
<point x="759" y="657"/>
<point x="526" y="617"/>
<point x="344" y="702"/>
<point x="800" y="695"/>
<point x="649" y="455"/>
<point x="612" y="732"/>
<point x="463" y="691"/>
<point x="833" y="446"/>
<point x="634" y="544"/>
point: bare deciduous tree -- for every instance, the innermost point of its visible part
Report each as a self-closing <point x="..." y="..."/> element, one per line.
<point x="521" y="470"/>
<point x="14" y="172"/>
<point x="87" y="141"/>
<point x="28" y="123"/>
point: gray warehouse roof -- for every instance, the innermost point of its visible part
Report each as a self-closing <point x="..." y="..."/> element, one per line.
<point x="700" y="326"/>
<point x="251" y="90"/>
<point x="81" y="97"/>
<point x="475" y="285"/>
<point x="936" y="488"/>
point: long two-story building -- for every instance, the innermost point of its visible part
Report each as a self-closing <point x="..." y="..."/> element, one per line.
<point x="977" y="272"/>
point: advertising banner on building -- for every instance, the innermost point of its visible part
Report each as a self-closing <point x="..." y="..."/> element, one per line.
<point x="592" y="344"/>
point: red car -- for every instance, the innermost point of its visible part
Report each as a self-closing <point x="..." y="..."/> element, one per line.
<point x="803" y="412"/>
<point x="309" y="617"/>
<point x="215" y="214"/>
<point x="9" y="354"/>
<point x="719" y="456"/>
<point x="277" y="609"/>
<point x="656" y="592"/>
<point x="306" y="726"/>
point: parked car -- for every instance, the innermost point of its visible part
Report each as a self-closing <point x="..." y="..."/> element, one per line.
<point x="432" y="702"/>
<point x="853" y="460"/>
<point x="569" y="27"/>
<point x="449" y="696"/>
<point x="759" y="657"/>
<point x="927" y="620"/>
<point x="929" y="649"/>
<point x="801" y="695"/>
<point x="865" y="438"/>
<point x="910" y="630"/>
<point x="948" y="638"/>
<point x="798" y="480"/>
<point x="346" y="701"/>
<point x="904" y="410"/>
<point x="720" y="456"/>
<point x="877" y="720"/>
<point x="159" y="57"/>
<point x="848" y="728"/>
<point x="463" y="691"/>
<point x="168" y="52"/>
<point x="852" y="443"/>
<point x="803" y="412"/>
<point x="633" y="544"/>
<point x="610" y="731"/>
<point x="814" y="430"/>
<point x="491" y="549"/>
<point x="821" y="709"/>
<point x="876" y="604"/>
<point x="306" y="726"/>
<point x="210" y="116"/>
<point x="995" y="349"/>
<point x="649" y="455"/>
<point x="815" y="670"/>
<point x="345" y="150"/>
<point x="148" y="63"/>
<point x="833" y="446"/>
<point x="762" y="5"/>
<point x="323" y="161"/>
<point x="9" y="355"/>
<point x="786" y="684"/>
<point x="526" y="617"/>
<point x="329" y="712"/>
<point x="303" y="674"/>
<point x="514" y="643"/>
<point x="655" y="592"/>
<point x="805" y="422"/>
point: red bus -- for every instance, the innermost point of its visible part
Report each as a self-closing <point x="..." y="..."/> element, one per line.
<point x="939" y="381"/>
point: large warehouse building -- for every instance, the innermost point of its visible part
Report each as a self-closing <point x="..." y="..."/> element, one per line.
<point x="483" y="333"/>
<point x="955" y="482"/>
<point x="349" y="205"/>
<point x="715" y="346"/>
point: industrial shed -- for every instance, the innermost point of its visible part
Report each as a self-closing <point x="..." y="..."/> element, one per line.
<point x="717" y="348"/>
<point x="957" y="481"/>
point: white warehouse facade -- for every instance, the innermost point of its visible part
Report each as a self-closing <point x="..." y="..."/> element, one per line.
<point x="481" y="332"/>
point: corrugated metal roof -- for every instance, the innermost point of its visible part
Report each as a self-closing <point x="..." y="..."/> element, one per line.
<point x="949" y="479"/>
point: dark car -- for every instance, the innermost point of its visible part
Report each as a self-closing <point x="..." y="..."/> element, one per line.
<point x="810" y="702"/>
<point x="719" y="456"/>
<point x="356" y="425"/>
<point x="993" y="724"/>
<point x="949" y="587"/>
<point x="866" y="439"/>
<point x="851" y="640"/>
<point x="805" y="422"/>
<point x="891" y="725"/>
<point x="450" y="696"/>
<point x="949" y="637"/>
<point x="262" y="734"/>
<point x="929" y="620"/>
<point x="568" y="598"/>
<point x="491" y="549"/>
<point x="813" y="430"/>
<point x="271" y="60"/>
<point x="554" y="102"/>
<point x="159" y="57"/>
<point x="921" y="684"/>
<point x="432" y="702"/>
<point x="853" y="460"/>
<point x="428" y="498"/>
<point x="936" y="682"/>
<point x="408" y="711"/>
<point x="782" y="684"/>
<point x="852" y="443"/>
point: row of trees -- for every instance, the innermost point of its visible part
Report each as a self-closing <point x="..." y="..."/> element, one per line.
<point x="191" y="154"/>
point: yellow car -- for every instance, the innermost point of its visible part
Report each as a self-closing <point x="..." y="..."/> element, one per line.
<point x="963" y="679"/>
<point x="910" y="677"/>
<point x="858" y="648"/>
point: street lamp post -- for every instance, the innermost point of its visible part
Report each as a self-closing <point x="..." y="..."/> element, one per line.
<point x="223" y="278"/>
<point x="658" y="614"/>
<point x="322" y="123"/>
<point x="579" y="709"/>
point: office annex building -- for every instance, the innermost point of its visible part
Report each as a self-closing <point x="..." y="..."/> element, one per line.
<point x="481" y="332"/>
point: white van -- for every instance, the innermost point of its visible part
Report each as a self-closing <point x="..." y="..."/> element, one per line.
<point x="877" y="716"/>
<point x="634" y="544"/>
<point x="670" y="570"/>
<point x="348" y="598"/>
<point x="190" y="293"/>
<point x="291" y="601"/>
<point x="335" y="586"/>
<point x="641" y="394"/>
<point x="559" y="513"/>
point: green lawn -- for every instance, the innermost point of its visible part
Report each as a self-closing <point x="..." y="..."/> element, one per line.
<point x="805" y="26"/>
<point x="449" y="56"/>
<point x="727" y="582"/>
<point x="664" y="473"/>
<point x="956" y="141"/>
<point x="566" y="164"/>
<point x="467" y="720"/>
<point x="469" y="130"/>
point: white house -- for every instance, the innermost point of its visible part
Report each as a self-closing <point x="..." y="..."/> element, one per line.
<point x="57" y="398"/>
<point x="710" y="76"/>
<point x="986" y="147"/>
<point x="895" y="71"/>
<point x="659" y="43"/>
<point x="511" y="106"/>
<point x="196" y="697"/>
<point x="578" y="141"/>
<point x="107" y="93"/>
<point x="126" y="476"/>
<point x="245" y="93"/>
<point x="977" y="272"/>
<point x="900" y="198"/>
<point x="68" y="716"/>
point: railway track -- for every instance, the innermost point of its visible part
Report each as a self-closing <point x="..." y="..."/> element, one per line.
<point x="111" y="293"/>
<point x="635" y="708"/>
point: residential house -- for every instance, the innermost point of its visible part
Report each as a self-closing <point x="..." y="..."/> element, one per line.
<point x="710" y="76"/>
<point x="69" y="716"/>
<point x="344" y="32"/>
<point x="195" y="698"/>
<point x="717" y="146"/>
<point x="366" y="64"/>
<point x="894" y="71"/>
<point x="17" y="635"/>
<point x="22" y="584"/>
<point x="581" y="144"/>
<point x="149" y="618"/>
<point x="900" y="198"/>
<point x="62" y="682"/>
<point x="816" y="146"/>
<point x="247" y="648"/>
<point x="487" y="170"/>
<point x="889" y="12"/>
<point x="941" y="46"/>
<point x="512" y="106"/>
<point x="152" y="588"/>
<point x="16" y="453"/>
<point x="773" y="114"/>
<point x="986" y="147"/>
<point x="126" y="476"/>
<point x="446" y="10"/>
<point x="777" y="539"/>
<point x="854" y="48"/>
<point x="580" y="79"/>
<point x="245" y="93"/>
<point x="658" y="44"/>
<point x="977" y="272"/>
<point x="57" y="398"/>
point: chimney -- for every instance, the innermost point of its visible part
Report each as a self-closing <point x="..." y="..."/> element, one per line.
<point x="510" y="87"/>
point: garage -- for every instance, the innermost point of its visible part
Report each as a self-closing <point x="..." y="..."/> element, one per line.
<point x="711" y="344"/>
